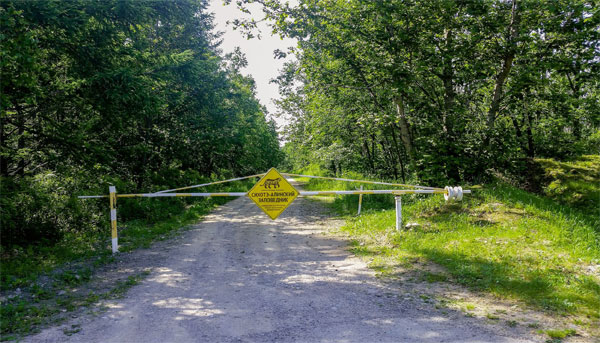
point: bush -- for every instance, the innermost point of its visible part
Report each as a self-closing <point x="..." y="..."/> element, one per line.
<point x="42" y="208"/>
<point x="575" y="182"/>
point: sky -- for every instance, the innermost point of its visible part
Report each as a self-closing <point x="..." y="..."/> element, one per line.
<point x="262" y="66"/>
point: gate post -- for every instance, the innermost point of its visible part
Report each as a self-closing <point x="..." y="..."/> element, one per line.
<point x="359" y="201"/>
<point x="398" y="212"/>
<point x="113" y="218"/>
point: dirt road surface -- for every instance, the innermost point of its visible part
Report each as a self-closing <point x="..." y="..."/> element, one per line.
<point x="238" y="276"/>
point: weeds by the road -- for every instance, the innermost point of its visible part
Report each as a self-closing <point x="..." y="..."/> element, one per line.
<point x="37" y="281"/>
<point x="576" y="182"/>
<point x="26" y="315"/>
<point x="499" y="240"/>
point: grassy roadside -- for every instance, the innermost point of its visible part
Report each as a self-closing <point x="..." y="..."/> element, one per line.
<point x="576" y="182"/>
<point x="500" y="240"/>
<point x="41" y="285"/>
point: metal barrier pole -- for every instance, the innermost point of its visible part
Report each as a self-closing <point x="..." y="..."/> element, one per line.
<point x="359" y="201"/>
<point x="113" y="217"/>
<point x="398" y="212"/>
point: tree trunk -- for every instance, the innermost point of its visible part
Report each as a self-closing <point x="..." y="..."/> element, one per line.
<point x="530" y="144"/>
<point x="503" y="74"/>
<point x="576" y="94"/>
<point x="387" y="148"/>
<point x="404" y="128"/>
<point x="399" y="153"/>
<point x="373" y="150"/>
<point x="452" y="167"/>
<point x="369" y="156"/>
<point x="20" y="140"/>
<point x="518" y="131"/>
<point x="3" y="148"/>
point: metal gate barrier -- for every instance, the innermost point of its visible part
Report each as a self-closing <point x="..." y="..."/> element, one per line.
<point x="269" y="182"/>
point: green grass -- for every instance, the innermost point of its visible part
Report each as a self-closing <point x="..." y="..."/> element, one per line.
<point x="560" y="334"/>
<point x="26" y="317"/>
<point x="575" y="182"/>
<point x="433" y="277"/>
<point x="123" y="286"/>
<point x="22" y="266"/>
<point x="71" y="263"/>
<point x="491" y="316"/>
<point x="500" y="240"/>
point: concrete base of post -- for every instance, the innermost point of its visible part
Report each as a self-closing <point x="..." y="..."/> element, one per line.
<point x="398" y="213"/>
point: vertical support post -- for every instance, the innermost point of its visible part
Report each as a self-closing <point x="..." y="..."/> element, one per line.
<point x="113" y="218"/>
<point x="398" y="212"/>
<point x="359" y="201"/>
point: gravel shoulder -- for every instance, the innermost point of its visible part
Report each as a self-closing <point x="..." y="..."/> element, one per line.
<point x="238" y="276"/>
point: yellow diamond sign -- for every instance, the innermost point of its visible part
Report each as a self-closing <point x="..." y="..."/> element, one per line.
<point x="273" y="193"/>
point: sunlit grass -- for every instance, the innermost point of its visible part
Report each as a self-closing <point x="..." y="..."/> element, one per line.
<point x="575" y="182"/>
<point x="71" y="262"/>
<point x="499" y="239"/>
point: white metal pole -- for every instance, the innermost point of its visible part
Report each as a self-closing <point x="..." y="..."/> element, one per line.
<point x="398" y="212"/>
<point x="113" y="218"/>
<point x="359" y="201"/>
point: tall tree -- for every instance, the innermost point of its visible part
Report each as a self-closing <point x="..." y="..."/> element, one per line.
<point x="462" y="86"/>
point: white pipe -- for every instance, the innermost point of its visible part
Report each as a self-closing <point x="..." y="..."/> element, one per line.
<point x="398" y="213"/>
<point x="363" y="181"/>
<point x="211" y="183"/>
<point x="239" y="194"/>
<point x="359" y="201"/>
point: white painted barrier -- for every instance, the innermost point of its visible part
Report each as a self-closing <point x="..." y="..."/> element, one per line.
<point x="450" y="193"/>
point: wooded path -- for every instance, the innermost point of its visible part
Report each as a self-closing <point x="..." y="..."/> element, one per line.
<point x="238" y="276"/>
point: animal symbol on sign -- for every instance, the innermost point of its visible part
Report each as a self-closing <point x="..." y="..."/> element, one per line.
<point x="271" y="182"/>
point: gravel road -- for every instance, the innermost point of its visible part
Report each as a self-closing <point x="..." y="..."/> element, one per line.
<point x="238" y="276"/>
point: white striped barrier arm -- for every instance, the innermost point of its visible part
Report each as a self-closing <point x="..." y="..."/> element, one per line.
<point x="359" y="181"/>
<point x="451" y="194"/>
<point x="212" y="183"/>
<point x="168" y="195"/>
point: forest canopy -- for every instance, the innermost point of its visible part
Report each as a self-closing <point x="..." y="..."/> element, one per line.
<point x="133" y="93"/>
<point x="438" y="90"/>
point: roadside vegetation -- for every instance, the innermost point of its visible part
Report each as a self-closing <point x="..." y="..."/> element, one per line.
<point x="27" y="314"/>
<point x="500" y="240"/>
<point x="126" y="93"/>
<point x="41" y="284"/>
<point x="575" y="182"/>
<point x="503" y="94"/>
<point x="457" y="93"/>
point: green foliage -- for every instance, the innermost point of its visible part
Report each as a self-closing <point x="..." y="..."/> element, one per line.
<point x="441" y="90"/>
<point x="23" y="267"/>
<point x="499" y="239"/>
<point x="575" y="182"/>
<point x="560" y="334"/>
<point x="132" y="94"/>
<point x="43" y="208"/>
